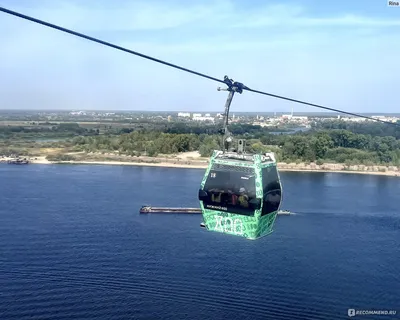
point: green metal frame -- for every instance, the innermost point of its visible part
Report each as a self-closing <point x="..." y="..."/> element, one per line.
<point x="248" y="227"/>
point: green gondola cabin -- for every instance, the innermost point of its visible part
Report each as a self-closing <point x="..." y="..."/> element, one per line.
<point x="241" y="194"/>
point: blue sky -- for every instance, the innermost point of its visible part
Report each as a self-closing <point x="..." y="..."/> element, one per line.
<point x="342" y="54"/>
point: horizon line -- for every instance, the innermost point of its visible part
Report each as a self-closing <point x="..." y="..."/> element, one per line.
<point x="185" y="111"/>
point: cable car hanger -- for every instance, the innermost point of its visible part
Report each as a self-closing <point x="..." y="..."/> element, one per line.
<point x="231" y="85"/>
<point x="232" y="88"/>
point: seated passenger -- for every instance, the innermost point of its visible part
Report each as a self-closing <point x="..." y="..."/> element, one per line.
<point x="216" y="194"/>
<point x="231" y="197"/>
<point x="271" y="201"/>
<point x="273" y="197"/>
<point x="234" y="199"/>
<point x="243" y="198"/>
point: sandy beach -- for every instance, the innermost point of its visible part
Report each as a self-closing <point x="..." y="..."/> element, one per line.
<point x="193" y="160"/>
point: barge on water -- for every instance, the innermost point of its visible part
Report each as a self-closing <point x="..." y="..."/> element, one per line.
<point x="18" y="161"/>
<point x="149" y="209"/>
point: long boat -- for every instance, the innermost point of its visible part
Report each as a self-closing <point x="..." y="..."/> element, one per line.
<point x="18" y="161"/>
<point x="150" y="209"/>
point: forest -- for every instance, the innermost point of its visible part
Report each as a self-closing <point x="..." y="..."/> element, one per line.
<point x="350" y="143"/>
<point x="365" y="143"/>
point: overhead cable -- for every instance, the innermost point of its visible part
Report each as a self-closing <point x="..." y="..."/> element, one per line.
<point x="81" y="35"/>
<point x="321" y="107"/>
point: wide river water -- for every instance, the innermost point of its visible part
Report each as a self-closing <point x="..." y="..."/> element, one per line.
<point x="73" y="246"/>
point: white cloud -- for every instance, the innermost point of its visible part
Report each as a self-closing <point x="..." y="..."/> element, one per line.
<point x="354" y="68"/>
<point x="288" y="16"/>
<point x="126" y="16"/>
<point x="157" y="15"/>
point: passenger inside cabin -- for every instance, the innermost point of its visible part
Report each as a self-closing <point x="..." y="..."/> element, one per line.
<point x="243" y="198"/>
<point x="273" y="192"/>
<point x="229" y="195"/>
<point x="216" y="194"/>
<point x="233" y="198"/>
<point x="272" y="197"/>
<point x="225" y="194"/>
<point x="220" y="194"/>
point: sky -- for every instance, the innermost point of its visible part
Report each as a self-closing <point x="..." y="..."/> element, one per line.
<point x="342" y="54"/>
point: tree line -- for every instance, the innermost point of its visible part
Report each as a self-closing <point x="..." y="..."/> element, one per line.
<point x="361" y="145"/>
<point x="334" y="141"/>
<point x="46" y="129"/>
<point x="367" y="128"/>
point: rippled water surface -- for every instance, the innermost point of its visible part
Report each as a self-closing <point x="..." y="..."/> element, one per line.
<point x="73" y="246"/>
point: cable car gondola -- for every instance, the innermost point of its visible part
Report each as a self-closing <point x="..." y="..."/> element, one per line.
<point x="241" y="192"/>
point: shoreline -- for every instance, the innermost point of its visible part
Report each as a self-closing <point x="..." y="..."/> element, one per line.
<point x="281" y="168"/>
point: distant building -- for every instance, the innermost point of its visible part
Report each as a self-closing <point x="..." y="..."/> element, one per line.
<point x="287" y="116"/>
<point x="78" y="113"/>
<point x="353" y="119"/>
<point x="385" y="118"/>
<point x="300" y="118"/>
<point x="184" y="114"/>
<point x="262" y="124"/>
<point x="203" y="119"/>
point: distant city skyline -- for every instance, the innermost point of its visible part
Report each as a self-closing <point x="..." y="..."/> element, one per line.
<point x="176" y="112"/>
<point x="339" y="54"/>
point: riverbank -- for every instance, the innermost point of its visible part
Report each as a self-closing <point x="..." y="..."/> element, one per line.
<point x="192" y="160"/>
